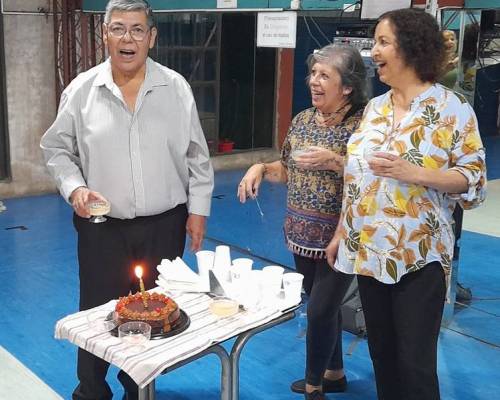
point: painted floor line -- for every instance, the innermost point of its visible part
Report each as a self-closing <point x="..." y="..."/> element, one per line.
<point x="18" y="382"/>
<point x="485" y="219"/>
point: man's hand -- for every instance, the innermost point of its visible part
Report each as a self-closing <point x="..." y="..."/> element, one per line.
<point x="195" y="228"/>
<point x="79" y="199"/>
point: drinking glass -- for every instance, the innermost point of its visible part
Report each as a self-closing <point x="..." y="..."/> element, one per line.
<point x="101" y="320"/>
<point x="136" y="334"/>
<point x="369" y="152"/>
<point x="98" y="209"/>
<point x="298" y="153"/>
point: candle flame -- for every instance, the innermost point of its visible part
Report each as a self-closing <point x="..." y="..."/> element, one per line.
<point x="138" y="271"/>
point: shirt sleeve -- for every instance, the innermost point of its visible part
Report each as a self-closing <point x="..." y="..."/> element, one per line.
<point x="468" y="157"/>
<point x="60" y="149"/>
<point x="201" y="175"/>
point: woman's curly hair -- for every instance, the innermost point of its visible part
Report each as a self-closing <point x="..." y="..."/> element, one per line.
<point x="419" y="41"/>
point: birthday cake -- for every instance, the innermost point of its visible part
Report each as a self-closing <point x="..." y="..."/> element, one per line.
<point x="162" y="313"/>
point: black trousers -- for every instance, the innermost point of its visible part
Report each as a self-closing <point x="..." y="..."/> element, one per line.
<point x="326" y="288"/>
<point x="107" y="255"/>
<point x="403" y="322"/>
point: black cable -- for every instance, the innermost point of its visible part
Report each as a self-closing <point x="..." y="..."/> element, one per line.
<point x="310" y="33"/>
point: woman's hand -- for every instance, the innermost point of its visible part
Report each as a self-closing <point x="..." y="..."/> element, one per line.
<point x="317" y="158"/>
<point x="249" y="185"/>
<point x="332" y="250"/>
<point x="392" y="166"/>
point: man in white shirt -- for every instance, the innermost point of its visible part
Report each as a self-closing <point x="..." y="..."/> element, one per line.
<point x="128" y="133"/>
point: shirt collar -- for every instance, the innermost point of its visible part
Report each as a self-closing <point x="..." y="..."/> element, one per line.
<point x="154" y="77"/>
<point x="416" y="100"/>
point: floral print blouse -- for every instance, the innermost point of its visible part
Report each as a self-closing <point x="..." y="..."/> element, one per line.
<point x="314" y="197"/>
<point x="391" y="228"/>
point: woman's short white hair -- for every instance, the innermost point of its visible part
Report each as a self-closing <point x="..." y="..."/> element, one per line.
<point x="129" y="5"/>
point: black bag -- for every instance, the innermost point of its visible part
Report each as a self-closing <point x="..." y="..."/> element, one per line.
<point x="353" y="319"/>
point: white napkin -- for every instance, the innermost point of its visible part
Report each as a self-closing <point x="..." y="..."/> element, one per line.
<point x="176" y="275"/>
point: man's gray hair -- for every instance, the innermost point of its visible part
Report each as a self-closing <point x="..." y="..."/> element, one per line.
<point x="348" y="63"/>
<point x="129" y="5"/>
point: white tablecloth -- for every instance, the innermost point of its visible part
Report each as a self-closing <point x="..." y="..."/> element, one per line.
<point x="204" y="331"/>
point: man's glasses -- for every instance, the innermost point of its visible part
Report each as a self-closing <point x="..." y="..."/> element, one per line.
<point x="138" y="33"/>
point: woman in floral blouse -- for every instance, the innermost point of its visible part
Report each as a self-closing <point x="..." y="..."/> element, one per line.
<point x="416" y="155"/>
<point x="314" y="180"/>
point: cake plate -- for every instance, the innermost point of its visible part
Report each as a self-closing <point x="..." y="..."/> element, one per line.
<point x="158" y="333"/>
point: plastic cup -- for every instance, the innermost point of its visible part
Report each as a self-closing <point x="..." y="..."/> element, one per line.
<point x="372" y="152"/>
<point x="243" y="263"/>
<point x="135" y="334"/>
<point x="240" y="269"/>
<point x="298" y="153"/>
<point x="222" y="257"/>
<point x="251" y="296"/>
<point x="273" y="275"/>
<point x="222" y="262"/>
<point x="292" y="285"/>
<point x="271" y="283"/>
<point x="205" y="262"/>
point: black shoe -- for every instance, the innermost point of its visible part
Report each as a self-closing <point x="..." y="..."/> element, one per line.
<point x="463" y="293"/>
<point x="329" y="386"/>
<point x="314" y="395"/>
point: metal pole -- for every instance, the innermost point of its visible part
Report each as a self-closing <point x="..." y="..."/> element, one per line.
<point x="239" y="344"/>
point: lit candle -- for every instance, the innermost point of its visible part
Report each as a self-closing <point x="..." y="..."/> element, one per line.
<point x="138" y="273"/>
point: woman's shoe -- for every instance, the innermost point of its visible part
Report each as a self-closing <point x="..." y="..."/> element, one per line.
<point x="329" y="386"/>
<point x="314" y="395"/>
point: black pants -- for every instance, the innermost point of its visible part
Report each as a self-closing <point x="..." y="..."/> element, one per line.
<point x="403" y="322"/>
<point x="107" y="255"/>
<point x="326" y="288"/>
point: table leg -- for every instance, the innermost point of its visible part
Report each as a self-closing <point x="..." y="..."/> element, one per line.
<point x="226" y="374"/>
<point x="226" y="377"/>
<point x="147" y="392"/>
<point x="152" y="390"/>
<point x="238" y="346"/>
<point x="144" y="393"/>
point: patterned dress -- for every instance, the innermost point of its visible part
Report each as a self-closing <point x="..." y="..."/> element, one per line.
<point x="314" y="197"/>
<point x="391" y="228"/>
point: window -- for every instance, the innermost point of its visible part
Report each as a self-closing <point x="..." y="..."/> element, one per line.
<point x="189" y="44"/>
<point x="232" y="79"/>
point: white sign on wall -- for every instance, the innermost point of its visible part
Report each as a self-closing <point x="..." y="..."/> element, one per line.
<point x="227" y="3"/>
<point x="277" y="29"/>
<point x="375" y="8"/>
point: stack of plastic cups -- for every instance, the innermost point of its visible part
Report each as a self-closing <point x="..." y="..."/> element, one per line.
<point x="222" y="263"/>
<point x="205" y="261"/>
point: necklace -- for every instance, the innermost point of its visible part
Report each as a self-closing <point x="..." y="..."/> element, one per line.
<point x="328" y="118"/>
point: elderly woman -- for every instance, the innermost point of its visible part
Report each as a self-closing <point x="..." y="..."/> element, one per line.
<point x="416" y="155"/>
<point x="311" y="164"/>
<point x="449" y="71"/>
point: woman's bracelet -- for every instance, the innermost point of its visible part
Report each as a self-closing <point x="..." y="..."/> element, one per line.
<point x="264" y="169"/>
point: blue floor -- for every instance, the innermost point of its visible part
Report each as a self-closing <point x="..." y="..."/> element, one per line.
<point x="39" y="276"/>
